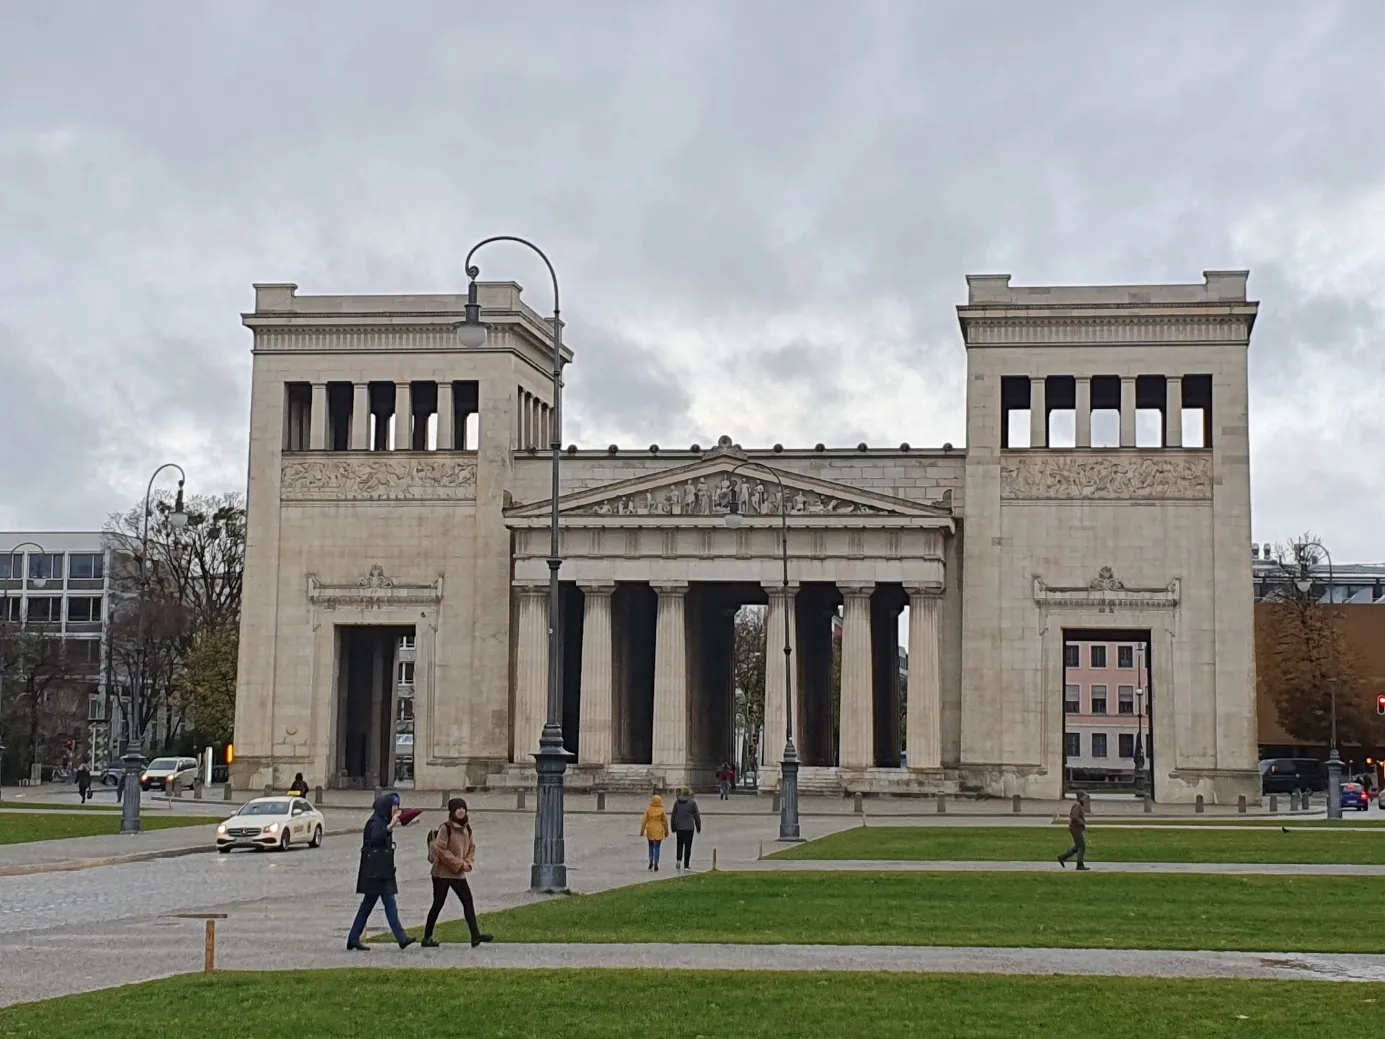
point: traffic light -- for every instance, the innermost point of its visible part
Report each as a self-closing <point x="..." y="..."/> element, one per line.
<point x="1380" y="703"/>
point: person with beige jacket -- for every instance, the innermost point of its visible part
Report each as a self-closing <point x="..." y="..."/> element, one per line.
<point x="452" y="851"/>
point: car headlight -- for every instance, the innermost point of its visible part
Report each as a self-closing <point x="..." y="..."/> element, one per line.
<point x="272" y="828"/>
<point x="221" y="828"/>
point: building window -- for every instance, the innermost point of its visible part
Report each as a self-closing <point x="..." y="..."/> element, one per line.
<point x="1098" y="744"/>
<point x="1126" y="699"/>
<point x="1098" y="699"/>
<point x="1072" y="655"/>
<point x="47" y="567"/>
<point x="1072" y="699"/>
<point x="12" y="609"/>
<point x="84" y="609"/>
<point x="406" y="672"/>
<point x="1072" y="744"/>
<point x="11" y="567"/>
<point x="86" y="566"/>
<point x="1125" y="743"/>
<point x="45" y="609"/>
<point x="1098" y="656"/>
<point x="406" y="642"/>
<point x="1125" y="657"/>
<point x="96" y="709"/>
<point x="406" y="710"/>
<point x="82" y="653"/>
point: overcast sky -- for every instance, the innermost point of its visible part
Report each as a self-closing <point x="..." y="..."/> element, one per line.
<point x="762" y="212"/>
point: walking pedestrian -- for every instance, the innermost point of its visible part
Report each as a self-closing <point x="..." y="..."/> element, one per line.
<point x="687" y="820"/>
<point x="299" y="786"/>
<point x="724" y="780"/>
<point x="83" y="778"/>
<point x="1077" y="826"/>
<point x="654" y="828"/>
<point x="452" y="851"/>
<point x="375" y="880"/>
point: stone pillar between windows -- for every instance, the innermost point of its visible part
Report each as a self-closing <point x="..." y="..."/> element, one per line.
<point x="531" y="673"/>
<point x="1127" y="411"/>
<point x="1173" y="412"/>
<point x="360" y="417"/>
<point x="403" y="417"/>
<point x="317" y="433"/>
<point x="923" y="722"/>
<point x="1084" y="412"/>
<point x="1038" y="412"/>
<point x="447" y="419"/>
<point x="597" y="676"/>
<point x="671" y="684"/>
<point x="857" y="722"/>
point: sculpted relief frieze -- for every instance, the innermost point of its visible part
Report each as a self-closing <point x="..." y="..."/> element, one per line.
<point x="1163" y="477"/>
<point x="712" y="496"/>
<point x="377" y="477"/>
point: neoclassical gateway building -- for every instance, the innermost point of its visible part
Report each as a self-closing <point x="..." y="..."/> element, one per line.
<point x="395" y="584"/>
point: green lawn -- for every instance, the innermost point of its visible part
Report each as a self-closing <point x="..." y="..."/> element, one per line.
<point x="609" y="1004"/>
<point x="37" y="806"/>
<point x="1111" y="843"/>
<point x="1059" y="910"/>
<point x="1351" y="821"/>
<point x="16" y="828"/>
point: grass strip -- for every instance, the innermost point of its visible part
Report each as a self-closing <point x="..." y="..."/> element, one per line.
<point x="16" y="828"/>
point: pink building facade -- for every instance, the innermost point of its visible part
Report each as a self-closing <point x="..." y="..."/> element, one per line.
<point x="1105" y="695"/>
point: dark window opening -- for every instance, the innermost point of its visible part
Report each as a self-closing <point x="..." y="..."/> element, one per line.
<point x="1126" y="743"/>
<point x="1125" y="656"/>
<point x="466" y="415"/>
<point x="1151" y="405"/>
<point x="423" y="402"/>
<point x="1072" y="655"/>
<point x="1197" y="411"/>
<point x="85" y="566"/>
<point x="1106" y="411"/>
<point x="298" y="415"/>
<point x="1072" y="744"/>
<point x="1098" y="744"/>
<point x="84" y="609"/>
<point x="382" y="416"/>
<point x="341" y="400"/>
<point x="46" y="566"/>
<point x="1098" y="654"/>
<point x="1098" y="699"/>
<point x="1014" y="411"/>
<point x="1060" y="398"/>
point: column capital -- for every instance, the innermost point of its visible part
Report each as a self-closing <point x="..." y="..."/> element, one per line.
<point x="531" y="587"/>
<point x="927" y="590"/>
<point x="597" y="587"/>
<point x="777" y="589"/>
<point x="671" y="588"/>
<point x="856" y="589"/>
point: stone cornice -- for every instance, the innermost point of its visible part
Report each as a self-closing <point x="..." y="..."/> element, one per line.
<point x="373" y="591"/>
<point x="1013" y="326"/>
<point x="1106" y="593"/>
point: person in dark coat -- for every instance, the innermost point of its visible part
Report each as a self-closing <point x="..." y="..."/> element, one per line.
<point x="687" y="820"/>
<point x="299" y="786"/>
<point x="375" y="880"/>
<point x="83" y="778"/>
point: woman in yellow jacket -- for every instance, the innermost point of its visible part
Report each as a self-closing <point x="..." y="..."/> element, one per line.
<point x="654" y="828"/>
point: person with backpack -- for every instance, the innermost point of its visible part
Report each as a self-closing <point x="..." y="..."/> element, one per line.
<point x="654" y="828"/>
<point x="299" y="786"/>
<point x="687" y="820"/>
<point x="375" y="879"/>
<point x="452" y="851"/>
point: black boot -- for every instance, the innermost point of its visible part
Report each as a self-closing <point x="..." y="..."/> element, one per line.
<point x="407" y="942"/>
<point x="357" y="947"/>
<point x="429" y="942"/>
<point x="478" y="938"/>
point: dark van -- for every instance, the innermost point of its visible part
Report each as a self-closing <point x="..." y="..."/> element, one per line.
<point x="1286" y="775"/>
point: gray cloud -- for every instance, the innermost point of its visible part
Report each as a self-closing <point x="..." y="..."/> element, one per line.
<point x="761" y="213"/>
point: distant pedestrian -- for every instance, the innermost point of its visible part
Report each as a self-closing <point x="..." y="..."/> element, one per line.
<point x="375" y="880"/>
<point x="687" y="820"/>
<point x="1077" y="826"/>
<point x="725" y="780"/>
<point x="452" y="851"/>
<point x="83" y="778"/>
<point x="299" y="786"/>
<point x="654" y="828"/>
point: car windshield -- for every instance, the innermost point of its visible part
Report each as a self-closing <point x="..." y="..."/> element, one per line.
<point x="266" y="808"/>
<point x="162" y="765"/>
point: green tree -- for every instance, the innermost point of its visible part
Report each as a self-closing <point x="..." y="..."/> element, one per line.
<point x="206" y="686"/>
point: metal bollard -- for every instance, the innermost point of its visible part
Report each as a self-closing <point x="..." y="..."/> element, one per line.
<point x="1241" y="804"/>
<point x="1149" y="804"/>
<point x="1015" y="804"/>
<point x="519" y="799"/>
<point x="1274" y="804"/>
<point x="858" y="802"/>
<point x="197" y="790"/>
<point x="601" y="800"/>
<point x="1201" y="807"/>
<point x="942" y="804"/>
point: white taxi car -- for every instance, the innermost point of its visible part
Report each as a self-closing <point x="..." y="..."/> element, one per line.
<point x="271" y="822"/>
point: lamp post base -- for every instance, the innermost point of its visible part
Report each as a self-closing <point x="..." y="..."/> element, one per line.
<point x="548" y="874"/>
<point x="129" y="809"/>
<point x="1334" y="785"/>
<point x="788" y="798"/>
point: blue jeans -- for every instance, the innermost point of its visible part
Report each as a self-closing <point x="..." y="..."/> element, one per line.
<point x="363" y="914"/>
<point x="654" y="847"/>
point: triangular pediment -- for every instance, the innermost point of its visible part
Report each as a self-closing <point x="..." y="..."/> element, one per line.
<point x="704" y="489"/>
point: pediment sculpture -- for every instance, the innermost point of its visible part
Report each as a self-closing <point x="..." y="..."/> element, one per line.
<point x="712" y="496"/>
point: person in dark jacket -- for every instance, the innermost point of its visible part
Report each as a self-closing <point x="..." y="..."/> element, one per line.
<point x="375" y="881"/>
<point x="299" y="786"/>
<point x="83" y="778"/>
<point x="687" y="820"/>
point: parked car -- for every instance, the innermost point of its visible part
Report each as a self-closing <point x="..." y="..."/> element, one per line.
<point x="271" y="822"/>
<point x="1354" y="796"/>
<point x="114" y="774"/>
<point x="162" y="771"/>
<point x="1287" y="775"/>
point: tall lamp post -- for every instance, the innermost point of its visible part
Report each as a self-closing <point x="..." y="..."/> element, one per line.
<point x="549" y="870"/>
<point x="133" y="759"/>
<point x="1141" y="779"/>
<point x="1304" y="583"/>
<point x="5" y="618"/>
<point x="788" y="767"/>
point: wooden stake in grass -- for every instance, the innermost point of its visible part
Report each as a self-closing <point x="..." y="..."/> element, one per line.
<point x="714" y="860"/>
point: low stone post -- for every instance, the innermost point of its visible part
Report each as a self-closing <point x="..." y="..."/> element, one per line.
<point x="269" y="790"/>
<point x="858" y="802"/>
<point x="519" y="799"/>
<point x="1274" y="804"/>
<point x="1015" y="804"/>
<point x="1293" y="800"/>
<point x="1241" y="804"/>
<point x="1201" y="805"/>
<point x="317" y="795"/>
<point x="601" y="800"/>
<point x="1149" y="804"/>
<point x="226" y="792"/>
<point x="942" y="804"/>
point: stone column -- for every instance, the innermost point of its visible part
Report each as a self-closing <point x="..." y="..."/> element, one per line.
<point x="1127" y="411"/>
<point x="594" y="739"/>
<point x="857" y="722"/>
<point x="923" y="726"/>
<point x="447" y="419"/>
<point x="1084" y="411"/>
<point x="317" y="434"/>
<point x="1038" y="412"/>
<point x="360" y="417"/>
<point x="671" y="684"/>
<point x="781" y="606"/>
<point x="403" y="417"/>
<point x="1173" y="412"/>
<point x="531" y="673"/>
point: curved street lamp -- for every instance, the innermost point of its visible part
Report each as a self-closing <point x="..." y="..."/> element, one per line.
<point x="1304" y="583"/>
<point x="788" y="767"/>
<point x="549" y="870"/>
<point x="24" y="584"/>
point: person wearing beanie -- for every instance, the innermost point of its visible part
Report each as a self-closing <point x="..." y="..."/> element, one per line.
<point x="452" y="851"/>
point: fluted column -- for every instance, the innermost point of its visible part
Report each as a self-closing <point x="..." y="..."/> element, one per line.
<point x="1038" y="412"/>
<point x="923" y="733"/>
<point x="531" y="672"/>
<point x="1084" y="412"/>
<point x="447" y="420"/>
<point x="671" y="684"/>
<point x="1127" y="411"/>
<point x="1173" y="412"/>
<point x="594" y="741"/>
<point x="781" y="605"/>
<point x="360" y="417"/>
<point x="403" y="417"/>
<point x="317" y="432"/>
<point x="857" y="722"/>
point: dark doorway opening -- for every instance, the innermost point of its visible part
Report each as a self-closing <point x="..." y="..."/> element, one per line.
<point x="1108" y="710"/>
<point x="368" y="686"/>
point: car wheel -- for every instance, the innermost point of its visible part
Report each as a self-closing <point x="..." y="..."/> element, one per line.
<point x="284" y="841"/>
<point x="316" y="842"/>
